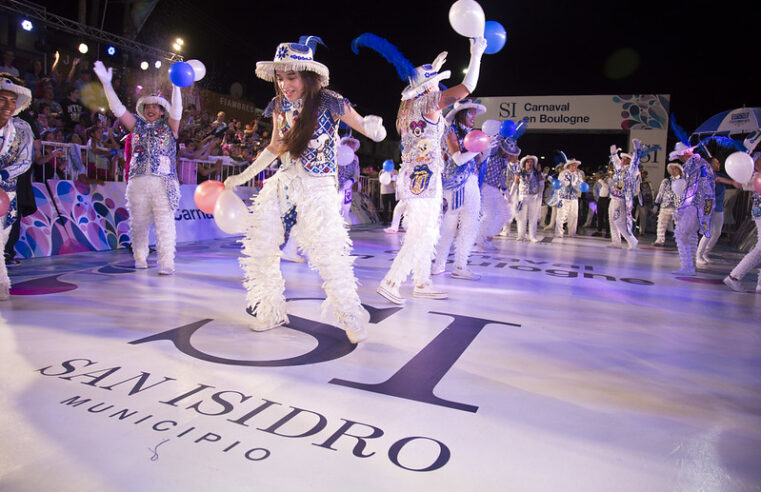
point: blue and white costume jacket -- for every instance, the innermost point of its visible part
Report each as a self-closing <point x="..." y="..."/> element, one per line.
<point x="496" y="171"/>
<point x="454" y="177"/>
<point x="154" y="153"/>
<point x="622" y="185"/>
<point x="569" y="191"/>
<point x="316" y="166"/>
<point x="666" y="197"/>
<point x="16" y="150"/>
<point x="530" y="184"/>
<point x="700" y="191"/>
<point x="422" y="161"/>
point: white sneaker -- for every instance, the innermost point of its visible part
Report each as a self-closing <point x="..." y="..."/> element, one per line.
<point x="390" y="230"/>
<point x="141" y="264"/>
<point x="429" y="292"/>
<point x="166" y="270"/>
<point x="685" y="272"/>
<point x="483" y="246"/>
<point x="534" y="240"/>
<point x="293" y="259"/>
<point x="5" y="291"/>
<point x="355" y="326"/>
<point x="465" y="274"/>
<point x="658" y="243"/>
<point x="437" y="270"/>
<point x="733" y="284"/>
<point x="705" y="259"/>
<point x="390" y="293"/>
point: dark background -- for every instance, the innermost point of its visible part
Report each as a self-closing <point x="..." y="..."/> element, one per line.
<point x="706" y="55"/>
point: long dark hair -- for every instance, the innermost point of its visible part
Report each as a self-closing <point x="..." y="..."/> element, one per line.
<point x="298" y="137"/>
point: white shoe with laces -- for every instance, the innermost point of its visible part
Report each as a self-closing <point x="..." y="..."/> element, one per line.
<point x="733" y="284"/>
<point x="465" y="274"/>
<point x="428" y="291"/>
<point x="391" y="293"/>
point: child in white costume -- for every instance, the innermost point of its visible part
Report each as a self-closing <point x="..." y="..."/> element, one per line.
<point x="153" y="190"/>
<point x="420" y="124"/>
<point x="568" y="204"/>
<point x="462" y="198"/>
<point x="530" y="183"/>
<point x="305" y="122"/>
<point x="16" y="149"/>
<point x="668" y="201"/>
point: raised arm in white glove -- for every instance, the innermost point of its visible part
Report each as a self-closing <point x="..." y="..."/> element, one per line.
<point x="477" y="47"/>
<point x="264" y="160"/>
<point x="175" y="110"/>
<point x="372" y="126"/>
<point x="105" y="78"/>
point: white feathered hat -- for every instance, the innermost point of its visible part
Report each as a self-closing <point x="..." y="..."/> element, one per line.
<point x="155" y="98"/>
<point x="23" y="94"/>
<point x="680" y="149"/>
<point x="297" y="57"/>
<point x="676" y="165"/>
<point x="526" y="158"/>
<point x="426" y="76"/>
<point x="570" y="162"/>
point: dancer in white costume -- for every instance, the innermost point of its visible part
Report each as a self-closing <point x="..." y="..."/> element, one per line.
<point x="462" y="198"/>
<point x="16" y="149"/>
<point x="568" y="204"/>
<point x="717" y="218"/>
<point x="696" y="207"/>
<point x="530" y="183"/>
<point x="305" y="118"/>
<point x="668" y="201"/>
<point x="420" y="124"/>
<point x="753" y="258"/>
<point x="496" y="206"/>
<point x="153" y="190"/>
<point x="625" y="169"/>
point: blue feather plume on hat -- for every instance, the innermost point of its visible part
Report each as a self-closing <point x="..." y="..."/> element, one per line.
<point x="312" y="42"/>
<point x="679" y="131"/>
<point x="391" y="53"/>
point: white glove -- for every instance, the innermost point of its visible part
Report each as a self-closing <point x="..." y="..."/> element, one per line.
<point x="104" y="75"/>
<point x="461" y="158"/>
<point x="613" y="149"/>
<point x="264" y="160"/>
<point x="175" y="110"/>
<point x="372" y="127"/>
<point x="477" y="47"/>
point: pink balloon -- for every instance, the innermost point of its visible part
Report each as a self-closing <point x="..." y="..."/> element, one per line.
<point x="207" y="194"/>
<point x="5" y="203"/>
<point x="756" y="183"/>
<point x="476" y="141"/>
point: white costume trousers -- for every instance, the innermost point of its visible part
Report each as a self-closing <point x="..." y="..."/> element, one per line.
<point x="569" y="212"/>
<point x="618" y="222"/>
<point x="396" y="221"/>
<point x="148" y="204"/>
<point x="419" y="243"/>
<point x="496" y="211"/>
<point x="752" y="259"/>
<point x="319" y="231"/>
<point x="666" y="219"/>
<point x="467" y="218"/>
<point x="529" y="215"/>
<point x="686" y="235"/>
<point x="707" y="243"/>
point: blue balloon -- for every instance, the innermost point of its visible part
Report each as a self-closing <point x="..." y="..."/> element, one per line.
<point x="507" y="128"/>
<point x="181" y="74"/>
<point x="557" y="184"/>
<point x="388" y="165"/>
<point x="495" y="35"/>
<point x="584" y="187"/>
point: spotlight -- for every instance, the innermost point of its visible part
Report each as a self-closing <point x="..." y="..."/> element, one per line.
<point x="111" y="50"/>
<point x="176" y="47"/>
<point x="157" y="64"/>
<point x="465" y="71"/>
<point x="179" y="41"/>
<point x="83" y="48"/>
<point x="27" y="25"/>
<point x="144" y="65"/>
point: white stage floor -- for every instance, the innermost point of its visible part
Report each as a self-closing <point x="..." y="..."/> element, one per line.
<point x="567" y="367"/>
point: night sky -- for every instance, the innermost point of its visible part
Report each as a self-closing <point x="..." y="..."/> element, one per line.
<point x="705" y="56"/>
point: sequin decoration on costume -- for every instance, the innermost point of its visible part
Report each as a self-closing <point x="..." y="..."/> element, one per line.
<point x="289" y="220"/>
<point x="420" y="179"/>
<point x="154" y="153"/>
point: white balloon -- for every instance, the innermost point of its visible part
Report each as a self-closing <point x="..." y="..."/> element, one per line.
<point x="344" y="155"/>
<point x="467" y="18"/>
<point x="739" y="167"/>
<point x="491" y="127"/>
<point x="678" y="186"/>
<point x="230" y="213"/>
<point x="384" y="178"/>
<point x="198" y="68"/>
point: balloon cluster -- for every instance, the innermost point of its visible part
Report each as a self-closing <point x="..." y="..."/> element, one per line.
<point x="493" y="127"/>
<point x="467" y="19"/>
<point x="229" y="211"/>
<point x="183" y="74"/>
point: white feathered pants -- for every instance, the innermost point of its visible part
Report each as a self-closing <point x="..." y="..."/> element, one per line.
<point x="665" y="218"/>
<point x="148" y="204"/>
<point x="618" y="222"/>
<point x="528" y="215"/>
<point x="568" y="212"/>
<point x="750" y="260"/>
<point x="466" y="216"/>
<point x="496" y="211"/>
<point x="686" y="235"/>
<point x="319" y="231"/>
